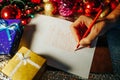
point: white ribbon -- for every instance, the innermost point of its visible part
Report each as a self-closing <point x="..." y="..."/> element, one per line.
<point x="24" y="59"/>
<point x="5" y="26"/>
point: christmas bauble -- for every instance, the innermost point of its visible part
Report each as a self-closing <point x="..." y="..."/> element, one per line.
<point x="36" y="1"/>
<point x="58" y="1"/>
<point x="65" y="11"/>
<point x="113" y="4"/>
<point x="25" y="21"/>
<point x="66" y="7"/>
<point x="89" y="8"/>
<point x="38" y="8"/>
<point x="10" y="12"/>
<point x="45" y="1"/>
<point x="29" y="11"/>
<point x="48" y="8"/>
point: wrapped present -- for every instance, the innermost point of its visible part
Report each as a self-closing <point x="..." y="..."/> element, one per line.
<point x="10" y="35"/>
<point x="25" y="65"/>
<point x="3" y="76"/>
<point x="4" y="60"/>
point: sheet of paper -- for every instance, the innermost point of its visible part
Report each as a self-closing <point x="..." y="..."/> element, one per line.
<point x="53" y="40"/>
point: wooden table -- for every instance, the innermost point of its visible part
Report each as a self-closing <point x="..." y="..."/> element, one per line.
<point x="101" y="60"/>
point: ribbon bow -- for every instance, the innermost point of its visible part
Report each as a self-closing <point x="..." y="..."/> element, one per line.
<point x="5" y="26"/>
<point x="23" y="58"/>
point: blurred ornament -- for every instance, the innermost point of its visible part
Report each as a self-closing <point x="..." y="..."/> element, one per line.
<point x="91" y="7"/>
<point x="48" y="8"/>
<point x="55" y="4"/>
<point x="106" y="11"/>
<point x="106" y="2"/>
<point x="45" y="1"/>
<point x="38" y="8"/>
<point x="80" y="10"/>
<point x="29" y="11"/>
<point x="25" y="21"/>
<point x="1" y="1"/>
<point x="10" y="12"/>
<point x="58" y="1"/>
<point x="36" y="1"/>
<point x="65" y="11"/>
<point x="66" y="7"/>
<point x="31" y="15"/>
<point x="114" y="4"/>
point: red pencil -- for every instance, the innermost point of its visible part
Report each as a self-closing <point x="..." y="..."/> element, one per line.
<point x="91" y="25"/>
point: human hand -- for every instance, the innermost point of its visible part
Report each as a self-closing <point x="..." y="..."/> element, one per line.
<point x="79" y="27"/>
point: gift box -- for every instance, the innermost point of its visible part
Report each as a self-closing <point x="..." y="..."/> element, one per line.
<point x="10" y="34"/>
<point x="3" y="76"/>
<point x="25" y="65"/>
<point x="4" y="60"/>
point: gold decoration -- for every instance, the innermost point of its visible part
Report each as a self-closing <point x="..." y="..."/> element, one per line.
<point x="48" y="8"/>
<point x="24" y="65"/>
<point x="105" y="12"/>
<point x="45" y="1"/>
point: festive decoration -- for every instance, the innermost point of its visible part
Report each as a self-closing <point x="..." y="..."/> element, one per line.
<point x="66" y="7"/>
<point x="25" y="21"/>
<point x="114" y="4"/>
<point x="48" y="7"/>
<point x="22" y="9"/>
<point x="10" y="12"/>
<point x="105" y="12"/>
<point x="36" y="1"/>
<point x="24" y="65"/>
<point x="11" y="32"/>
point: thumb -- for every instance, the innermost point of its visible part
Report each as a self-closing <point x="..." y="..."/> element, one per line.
<point x="85" y="42"/>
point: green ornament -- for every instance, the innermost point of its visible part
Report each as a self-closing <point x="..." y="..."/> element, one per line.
<point x="31" y="15"/>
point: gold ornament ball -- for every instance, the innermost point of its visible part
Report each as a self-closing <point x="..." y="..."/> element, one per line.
<point x="45" y="1"/>
<point x="48" y="9"/>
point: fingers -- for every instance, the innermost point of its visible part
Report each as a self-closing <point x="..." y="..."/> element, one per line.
<point x="79" y="26"/>
<point x="77" y="33"/>
<point x="95" y="31"/>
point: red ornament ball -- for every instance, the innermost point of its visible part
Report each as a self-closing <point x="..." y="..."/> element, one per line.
<point x="65" y="11"/>
<point x="36" y="1"/>
<point x="89" y="8"/>
<point x="66" y="8"/>
<point x="29" y="11"/>
<point x="114" y="4"/>
<point x="10" y="12"/>
<point x="25" y="21"/>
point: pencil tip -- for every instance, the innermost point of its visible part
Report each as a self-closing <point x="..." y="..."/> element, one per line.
<point x="76" y="49"/>
<point x="77" y="46"/>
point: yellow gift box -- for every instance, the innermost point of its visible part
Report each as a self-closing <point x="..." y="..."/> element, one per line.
<point x="24" y="65"/>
